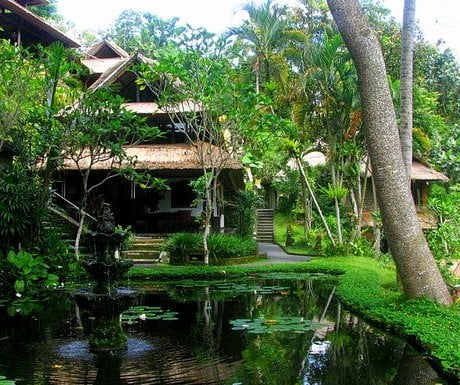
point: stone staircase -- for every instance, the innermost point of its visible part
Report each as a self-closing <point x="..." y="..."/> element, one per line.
<point x="145" y="249"/>
<point x="265" y="225"/>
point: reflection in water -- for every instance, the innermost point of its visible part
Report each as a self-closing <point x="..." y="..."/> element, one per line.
<point x="201" y="347"/>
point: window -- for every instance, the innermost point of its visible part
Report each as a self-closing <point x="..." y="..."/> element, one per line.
<point x="182" y="194"/>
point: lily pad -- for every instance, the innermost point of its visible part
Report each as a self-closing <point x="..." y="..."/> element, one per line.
<point x="241" y="288"/>
<point x="142" y="313"/>
<point x="281" y="324"/>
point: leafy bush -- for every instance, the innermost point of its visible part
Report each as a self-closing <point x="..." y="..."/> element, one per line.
<point x="30" y="278"/>
<point x="182" y="245"/>
<point x="230" y="246"/>
<point x="445" y="240"/>
<point x="19" y="209"/>
<point x="57" y="255"/>
<point x="243" y="214"/>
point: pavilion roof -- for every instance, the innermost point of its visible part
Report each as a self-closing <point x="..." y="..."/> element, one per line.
<point x="33" y="28"/>
<point x="180" y="156"/>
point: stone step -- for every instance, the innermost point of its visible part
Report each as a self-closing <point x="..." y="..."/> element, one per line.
<point x="269" y="232"/>
<point x="145" y="261"/>
<point x="265" y="228"/>
<point x="265" y="239"/>
<point x="145" y="246"/>
<point x="148" y="240"/>
<point x="139" y="253"/>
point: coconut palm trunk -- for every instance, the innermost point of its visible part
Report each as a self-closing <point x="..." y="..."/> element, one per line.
<point x="414" y="261"/>
<point x="407" y="56"/>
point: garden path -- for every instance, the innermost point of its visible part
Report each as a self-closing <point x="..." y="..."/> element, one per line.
<point x="277" y="255"/>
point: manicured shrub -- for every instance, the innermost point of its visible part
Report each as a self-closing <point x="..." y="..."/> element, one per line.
<point x="230" y="246"/>
<point x="183" y="246"/>
<point x="180" y="245"/>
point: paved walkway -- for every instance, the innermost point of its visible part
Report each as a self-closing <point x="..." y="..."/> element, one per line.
<point x="276" y="254"/>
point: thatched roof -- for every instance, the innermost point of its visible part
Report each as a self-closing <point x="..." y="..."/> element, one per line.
<point x="154" y="108"/>
<point x="159" y="157"/>
<point x="419" y="172"/>
<point x="422" y="172"/>
<point x="32" y="3"/>
<point x="33" y="28"/>
<point x="99" y="66"/>
<point x="426" y="218"/>
<point x="106" y="49"/>
<point x="103" y="56"/>
<point x="113" y="73"/>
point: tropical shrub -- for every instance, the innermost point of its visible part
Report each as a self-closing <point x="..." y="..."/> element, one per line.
<point x="30" y="278"/>
<point x="19" y="208"/>
<point x="243" y="213"/>
<point x="58" y="255"/>
<point x="183" y="246"/>
<point x="230" y="246"/>
<point x="445" y="240"/>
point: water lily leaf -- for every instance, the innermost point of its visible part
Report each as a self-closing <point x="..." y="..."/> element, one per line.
<point x="151" y="313"/>
<point x="287" y="324"/>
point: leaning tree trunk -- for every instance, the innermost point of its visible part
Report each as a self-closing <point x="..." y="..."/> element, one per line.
<point x="414" y="261"/>
<point x="407" y="56"/>
<point x="312" y="194"/>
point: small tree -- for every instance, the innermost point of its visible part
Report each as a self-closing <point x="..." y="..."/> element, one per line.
<point x="32" y="89"/>
<point x="197" y="87"/>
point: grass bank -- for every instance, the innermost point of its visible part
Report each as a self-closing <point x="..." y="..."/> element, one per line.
<point x="365" y="286"/>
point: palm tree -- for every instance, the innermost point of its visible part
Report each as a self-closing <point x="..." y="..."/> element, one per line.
<point x="407" y="55"/>
<point x="262" y="35"/>
<point x="325" y="110"/>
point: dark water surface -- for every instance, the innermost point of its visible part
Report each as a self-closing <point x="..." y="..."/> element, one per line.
<point x="290" y="332"/>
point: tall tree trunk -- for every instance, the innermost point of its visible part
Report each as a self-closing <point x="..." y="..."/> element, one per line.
<point x="207" y="218"/>
<point x="336" y="184"/>
<point x="306" y="206"/>
<point x="407" y="57"/>
<point x="377" y="233"/>
<point x="414" y="261"/>
<point x="81" y="224"/>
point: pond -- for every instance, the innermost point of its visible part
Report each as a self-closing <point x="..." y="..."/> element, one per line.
<point x="271" y="330"/>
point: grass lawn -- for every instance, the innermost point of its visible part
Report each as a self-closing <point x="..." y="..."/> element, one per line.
<point x="301" y="245"/>
<point x="365" y="286"/>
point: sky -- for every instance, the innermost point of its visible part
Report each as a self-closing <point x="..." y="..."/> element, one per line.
<point x="438" y="19"/>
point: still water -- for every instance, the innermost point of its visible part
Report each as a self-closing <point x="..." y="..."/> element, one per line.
<point x="270" y="330"/>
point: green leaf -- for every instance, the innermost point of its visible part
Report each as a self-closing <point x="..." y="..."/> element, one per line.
<point x="19" y="286"/>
